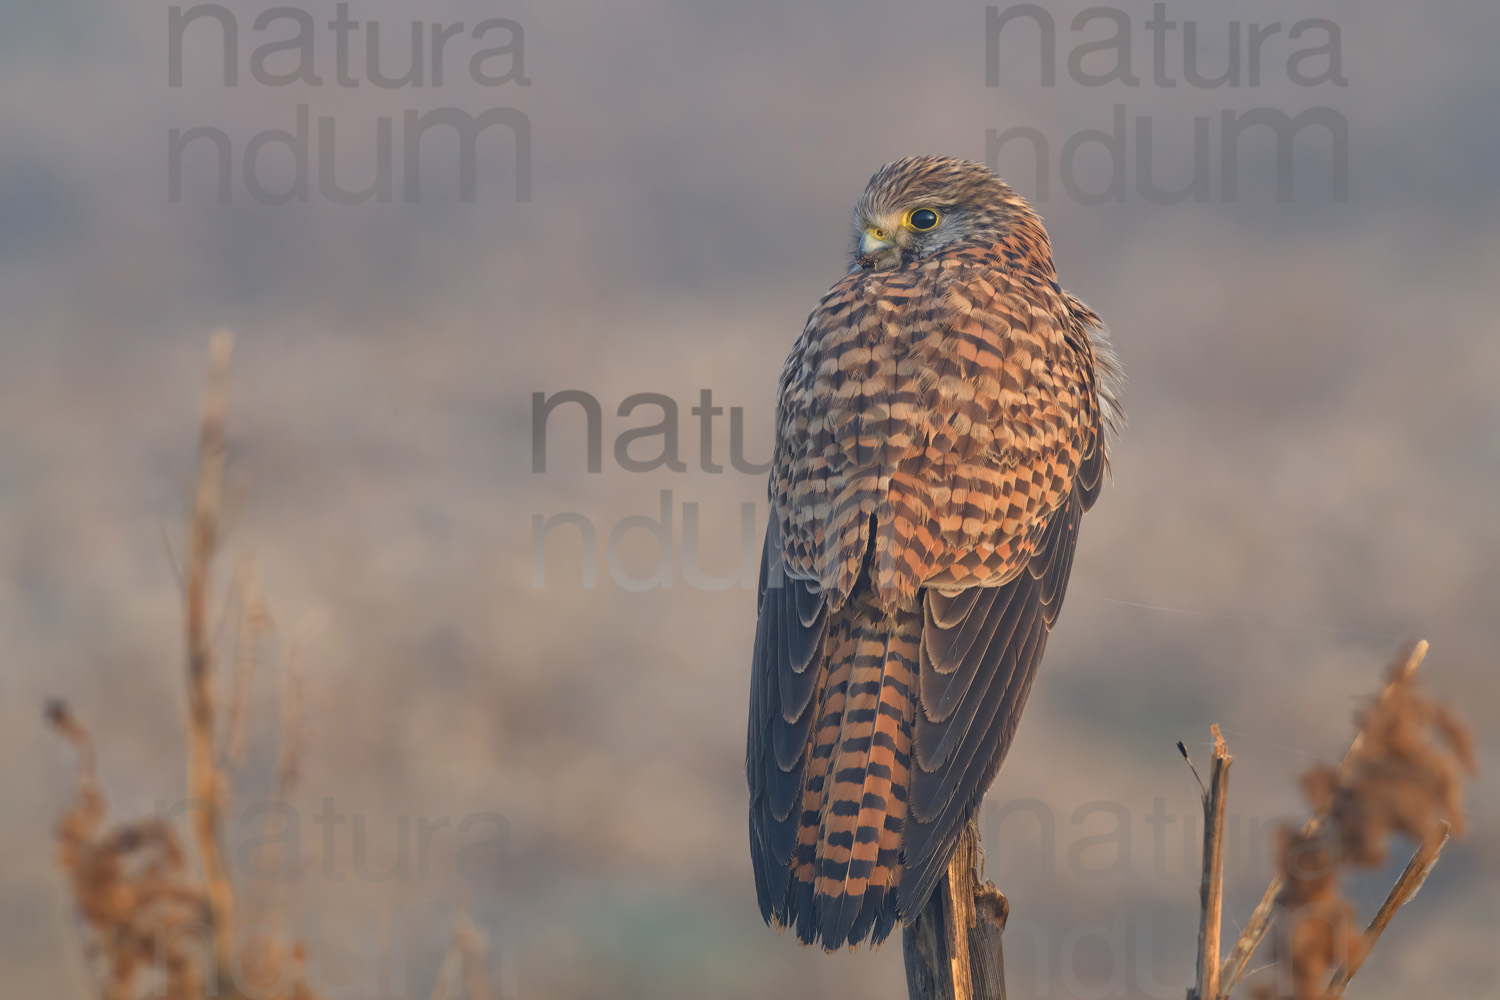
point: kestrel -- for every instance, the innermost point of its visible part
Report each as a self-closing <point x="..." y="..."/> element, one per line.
<point x="942" y="424"/>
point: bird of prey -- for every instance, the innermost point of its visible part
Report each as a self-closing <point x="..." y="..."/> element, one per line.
<point x="942" y="424"/>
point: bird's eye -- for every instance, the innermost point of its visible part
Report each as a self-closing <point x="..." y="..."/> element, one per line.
<point x="922" y="219"/>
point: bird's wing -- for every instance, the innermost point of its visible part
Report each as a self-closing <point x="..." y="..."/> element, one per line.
<point x="980" y="649"/>
<point x="839" y="416"/>
<point x="981" y="643"/>
<point x="785" y="672"/>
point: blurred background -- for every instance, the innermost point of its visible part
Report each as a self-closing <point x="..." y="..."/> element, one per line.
<point x="1307" y="479"/>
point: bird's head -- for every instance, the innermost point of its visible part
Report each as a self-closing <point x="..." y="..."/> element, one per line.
<point x="915" y="207"/>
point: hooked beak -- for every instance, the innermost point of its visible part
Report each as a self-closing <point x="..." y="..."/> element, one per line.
<point x="874" y="241"/>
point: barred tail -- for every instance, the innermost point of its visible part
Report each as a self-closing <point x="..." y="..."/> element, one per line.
<point x="846" y="865"/>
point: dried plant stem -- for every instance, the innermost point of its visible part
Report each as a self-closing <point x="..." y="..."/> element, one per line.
<point x="1212" y="890"/>
<point x="1233" y="968"/>
<point x="464" y="964"/>
<point x="252" y="623"/>
<point x="205" y="783"/>
<point x="1417" y="870"/>
<point x="289" y="764"/>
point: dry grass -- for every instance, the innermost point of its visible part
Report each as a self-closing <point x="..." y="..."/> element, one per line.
<point x="159" y="920"/>
<point x="1403" y="775"/>
<point x="132" y="888"/>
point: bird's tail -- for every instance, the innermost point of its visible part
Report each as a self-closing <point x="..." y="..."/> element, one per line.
<point x="847" y="861"/>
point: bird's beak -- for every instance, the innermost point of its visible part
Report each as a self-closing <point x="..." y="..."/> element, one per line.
<point x="873" y="242"/>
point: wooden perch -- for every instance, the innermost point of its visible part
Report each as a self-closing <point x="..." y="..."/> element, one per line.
<point x="952" y="950"/>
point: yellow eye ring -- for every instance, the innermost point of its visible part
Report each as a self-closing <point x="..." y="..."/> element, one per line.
<point x="920" y="220"/>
